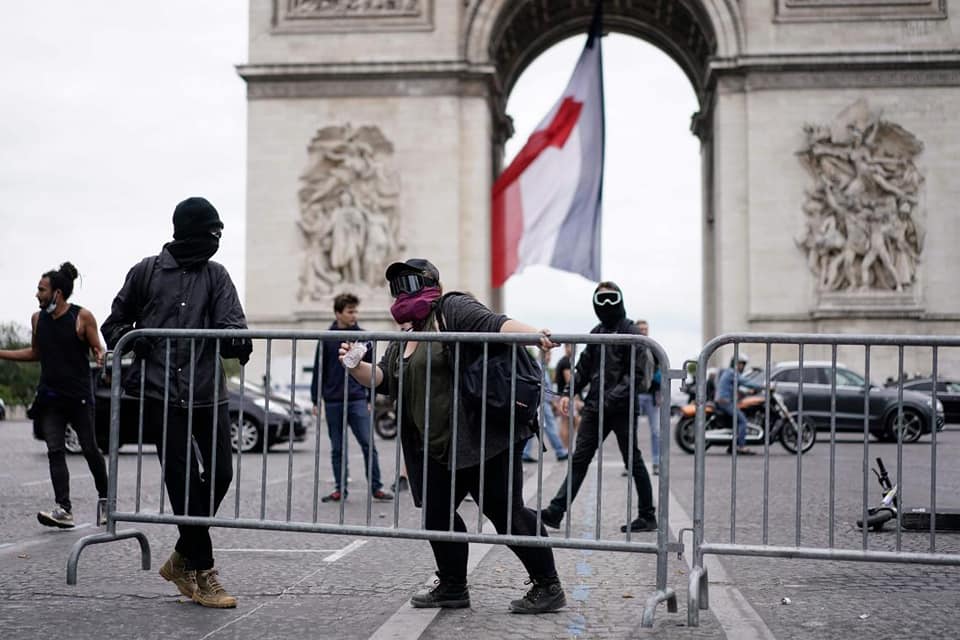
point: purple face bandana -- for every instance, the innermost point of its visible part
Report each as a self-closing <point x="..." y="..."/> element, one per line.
<point x="414" y="307"/>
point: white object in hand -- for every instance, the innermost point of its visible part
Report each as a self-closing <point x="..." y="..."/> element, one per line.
<point x="353" y="357"/>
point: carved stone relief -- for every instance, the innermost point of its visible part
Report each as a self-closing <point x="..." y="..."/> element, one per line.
<point x="352" y="15"/>
<point x="863" y="227"/>
<point x="348" y="212"/>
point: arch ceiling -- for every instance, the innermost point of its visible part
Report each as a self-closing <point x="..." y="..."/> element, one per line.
<point x="510" y="34"/>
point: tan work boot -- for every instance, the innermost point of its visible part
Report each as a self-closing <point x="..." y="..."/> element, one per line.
<point x="210" y="593"/>
<point x="175" y="570"/>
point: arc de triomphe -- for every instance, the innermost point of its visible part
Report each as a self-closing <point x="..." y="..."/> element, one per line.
<point x="828" y="134"/>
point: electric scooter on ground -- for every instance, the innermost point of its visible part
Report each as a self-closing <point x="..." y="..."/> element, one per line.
<point x="915" y="519"/>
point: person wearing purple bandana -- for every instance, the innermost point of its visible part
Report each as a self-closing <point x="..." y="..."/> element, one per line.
<point x="419" y="300"/>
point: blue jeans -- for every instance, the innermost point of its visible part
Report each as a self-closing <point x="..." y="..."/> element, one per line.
<point x="647" y="407"/>
<point x="550" y="428"/>
<point x="741" y="422"/>
<point x="358" y="417"/>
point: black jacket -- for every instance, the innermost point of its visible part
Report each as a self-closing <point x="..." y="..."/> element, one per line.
<point x="175" y="298"/>
<point x="616" y="390"/>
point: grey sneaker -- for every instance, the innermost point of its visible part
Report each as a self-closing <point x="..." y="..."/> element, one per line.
<point x="102" y="512"/>
<point x="656" y="469"/>
<point x="56" y="517"/>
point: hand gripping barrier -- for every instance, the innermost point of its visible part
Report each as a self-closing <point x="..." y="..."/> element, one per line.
<point x="187" y="416"/>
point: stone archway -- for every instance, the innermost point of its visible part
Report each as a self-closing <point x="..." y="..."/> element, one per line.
<point x="402" y="103"/>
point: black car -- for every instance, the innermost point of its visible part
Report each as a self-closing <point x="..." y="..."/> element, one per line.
<point x="948" y="393"/>
<point x="918" y="411"/>
<point x="247" y="437"/>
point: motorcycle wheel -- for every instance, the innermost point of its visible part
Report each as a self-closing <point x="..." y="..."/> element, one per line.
<point x="876" y="521"/>
<point x="386" y="425"/>
<point x="685" y="434"/>
<point x="788" y="436"/>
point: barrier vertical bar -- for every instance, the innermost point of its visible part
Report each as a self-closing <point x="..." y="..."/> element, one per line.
<point x="318" y="374"/>
<point x="290" y="418"/>
<point x="634" y="422"/>
<point x="402" y="346"/>
<point x="189" y="443"/>
<point x="215" y="426"/>
<point x="765" y="516"/>
<point x="933" y="454"/>
<point x="371" y="409"/>
<point x="599" y="514"/>
<point x="483" y="436"/>
<point x="143" y="375"/>
<point x="453" y="440"/>
<point x="866" y="441"/>
<point x="900" y="427"/>
<point x="241" y="420"/>
<point x="512" y="450"/>
<point x="734" y="440"/>
<point x="799" y="455"/>
<point x="264" y="439"/>
<point x="833" y="443"/>
<point x="163" y="439"/>
<point x="426" y="434"/>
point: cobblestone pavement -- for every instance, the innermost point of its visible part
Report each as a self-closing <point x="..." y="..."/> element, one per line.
<point x="294" y="585"/>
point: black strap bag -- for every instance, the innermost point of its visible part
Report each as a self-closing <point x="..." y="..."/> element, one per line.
<point x="526" y="400"/>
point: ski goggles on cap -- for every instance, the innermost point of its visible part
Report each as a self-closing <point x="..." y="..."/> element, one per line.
<point x="607" y="298"/>
<point x="409" y="283"/>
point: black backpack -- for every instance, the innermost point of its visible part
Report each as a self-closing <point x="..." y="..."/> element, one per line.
<point x="499" y="367"/>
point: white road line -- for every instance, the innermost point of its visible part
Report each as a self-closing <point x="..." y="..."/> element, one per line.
<point x="408" y="622"/>
<point x="296" y="476"/>
<point x="353" y="546"/>
<point x="34" y="482"/>
<point x="737" y="618"/>
<point x="19" y="545"/>
<point x="254" y="550"/>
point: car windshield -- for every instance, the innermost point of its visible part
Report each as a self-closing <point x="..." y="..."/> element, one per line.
<point x="848" y="378"/>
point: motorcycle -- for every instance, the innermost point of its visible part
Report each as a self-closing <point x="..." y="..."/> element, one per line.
<point x="719" y="428"/>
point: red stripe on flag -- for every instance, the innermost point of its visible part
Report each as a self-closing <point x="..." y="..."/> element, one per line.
<point x="554" y="135"/>
<point x="507" y="211"/>
<point x="507" y="223"/>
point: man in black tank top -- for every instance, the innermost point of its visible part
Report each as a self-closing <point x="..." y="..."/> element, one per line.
<point x="63" y="336"/>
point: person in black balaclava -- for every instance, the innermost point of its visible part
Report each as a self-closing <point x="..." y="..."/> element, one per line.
<point x="182" y="288"/>
<point x="617" y="391"/>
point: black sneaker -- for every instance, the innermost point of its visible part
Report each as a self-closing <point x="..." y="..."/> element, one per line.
<point x="641" y="523"/>
<point x="543" y="597"/>
<point x="334" y="496"/>
<point x="551" y="518"/>
<point x="445" y="595"/>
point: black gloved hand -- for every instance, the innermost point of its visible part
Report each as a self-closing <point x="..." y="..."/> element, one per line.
<point x="142" y="347"/>
<point x="239" y="348"/>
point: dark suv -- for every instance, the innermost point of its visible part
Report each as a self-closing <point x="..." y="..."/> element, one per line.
<point x="851" y="392"/>
<point x="249" y="436"/>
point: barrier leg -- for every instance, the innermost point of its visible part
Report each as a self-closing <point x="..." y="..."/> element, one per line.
<point x="99" y="538"/>
<point x="665" y="595"/>
<point x="698" y="596"/>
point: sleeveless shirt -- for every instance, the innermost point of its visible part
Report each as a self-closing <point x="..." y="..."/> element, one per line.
<point x="64" y="357"/>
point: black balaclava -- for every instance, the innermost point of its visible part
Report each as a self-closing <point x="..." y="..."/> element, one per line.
<point x="194" y="221"/>
<point x="610" y="315"/>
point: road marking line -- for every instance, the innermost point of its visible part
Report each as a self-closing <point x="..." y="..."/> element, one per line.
<point x="34" y="482"/>
<point x="256" y="550"/>
<point x="296" y="476"/>
<point x="262" y="604"/>
<point x="353" y="546"/>
<point x="408" y="622"/>
<point x="732" y="610"/>
<point x="16" y="546"/>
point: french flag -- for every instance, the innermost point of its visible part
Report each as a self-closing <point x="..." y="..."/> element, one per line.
<point x="546" y="204"/>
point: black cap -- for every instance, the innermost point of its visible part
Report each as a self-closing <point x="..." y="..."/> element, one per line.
<point x="420" y="266"/>
<point x="193" y="217"/>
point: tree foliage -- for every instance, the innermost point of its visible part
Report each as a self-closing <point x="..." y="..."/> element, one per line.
<point x="18" y="380"/>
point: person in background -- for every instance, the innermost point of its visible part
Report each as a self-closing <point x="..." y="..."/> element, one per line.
<point x="549" y="423"/>
<point x="64" y="336"/>
<point x="726" y="400"/>
<point x="326" y="363"/>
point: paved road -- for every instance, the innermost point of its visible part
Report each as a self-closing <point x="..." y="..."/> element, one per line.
<point x="335" y="586"/>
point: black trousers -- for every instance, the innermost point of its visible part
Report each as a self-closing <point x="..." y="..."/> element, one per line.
<point x="588" y="439"/>
<point x="451" y="557"/>
<point x="197" y="455"/>
<point x="55" y="414"/>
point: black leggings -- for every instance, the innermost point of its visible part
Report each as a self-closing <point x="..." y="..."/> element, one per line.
<point x="194" y="542"/>
<point x="55" y="414"/>
<point x="452" y="556"/>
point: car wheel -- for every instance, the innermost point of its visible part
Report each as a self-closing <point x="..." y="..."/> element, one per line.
<point x="911" y="427"/>
<point x="71" y="442"/>
<point x="247" y="438"/>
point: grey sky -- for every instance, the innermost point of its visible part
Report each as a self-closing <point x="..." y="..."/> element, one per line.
<point x="111" y="112"/>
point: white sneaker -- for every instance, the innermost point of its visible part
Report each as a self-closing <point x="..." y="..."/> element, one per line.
<point x="56" y="517"/>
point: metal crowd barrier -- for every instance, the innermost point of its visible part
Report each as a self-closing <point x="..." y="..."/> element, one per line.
<point x="823" y="541"/>
<point x="298" y="508"/>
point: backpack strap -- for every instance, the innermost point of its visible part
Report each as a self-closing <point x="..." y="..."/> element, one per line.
<point x="144" y="277"/>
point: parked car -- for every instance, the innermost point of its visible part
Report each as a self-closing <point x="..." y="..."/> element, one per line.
<point x="247" y="437"/>
<point x="3" y="410"/>
<point x="948" y="393"/>
<point x="918" y="416"/>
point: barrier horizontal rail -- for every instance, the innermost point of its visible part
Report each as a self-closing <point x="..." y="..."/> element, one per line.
<point x="297" y="508"/>
<point x="899" y="421"/>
